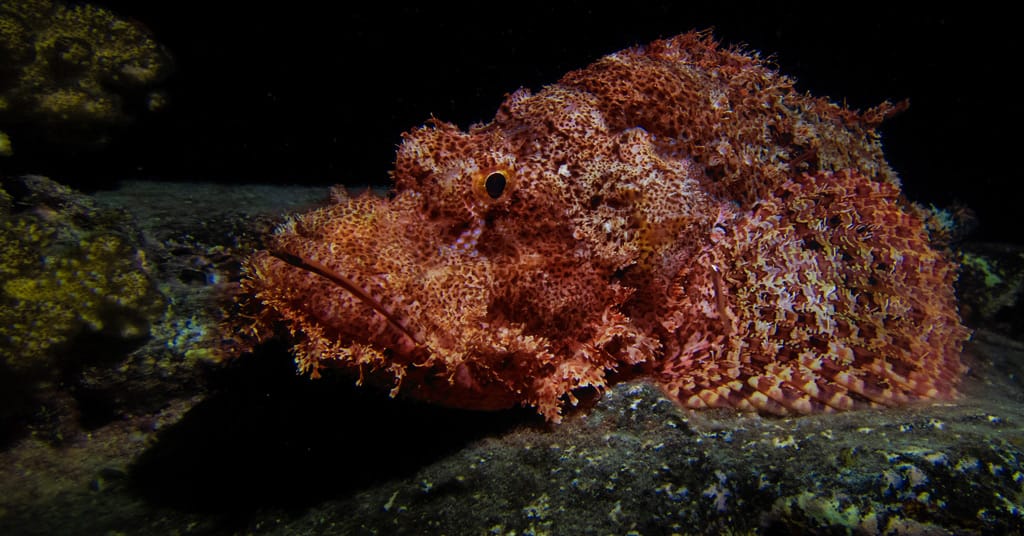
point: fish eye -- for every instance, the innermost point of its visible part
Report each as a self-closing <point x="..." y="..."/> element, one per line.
<point x="494" y="184"/>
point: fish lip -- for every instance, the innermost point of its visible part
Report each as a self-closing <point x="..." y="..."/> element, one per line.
<point x="352" y="288"/>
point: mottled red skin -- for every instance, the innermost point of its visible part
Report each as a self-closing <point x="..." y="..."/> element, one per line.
<point x="674" y="210"/>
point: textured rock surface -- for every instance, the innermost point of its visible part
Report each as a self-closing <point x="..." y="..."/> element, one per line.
<point x="637" y="463"/>
<point x="110" y="303"/>
<point x="990" y="286"/>
<point x="76" y="296"/>
<point x="250" y="459"/>
<point x="71" y="72"/>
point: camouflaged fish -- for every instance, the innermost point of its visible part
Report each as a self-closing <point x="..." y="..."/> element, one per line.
<point x="676" y="211"/>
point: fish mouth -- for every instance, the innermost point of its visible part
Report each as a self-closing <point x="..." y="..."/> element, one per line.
<point x="352" y="288"/>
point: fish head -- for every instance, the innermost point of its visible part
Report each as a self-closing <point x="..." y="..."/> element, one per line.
<point x="499" y="267"/>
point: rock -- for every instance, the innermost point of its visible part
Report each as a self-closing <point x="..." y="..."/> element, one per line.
<point x="71" y="71"/>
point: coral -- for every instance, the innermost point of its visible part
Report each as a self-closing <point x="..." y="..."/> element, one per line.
<point x="61" y="277"/>
<point x="675" y="210"/>
<point x="72" y="64"/>
<point x="990" y="286"/>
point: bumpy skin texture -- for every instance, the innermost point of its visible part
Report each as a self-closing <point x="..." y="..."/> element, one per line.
<point x="675" y="210"/>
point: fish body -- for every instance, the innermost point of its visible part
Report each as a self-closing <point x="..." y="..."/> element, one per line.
<point x="675" y="210"/>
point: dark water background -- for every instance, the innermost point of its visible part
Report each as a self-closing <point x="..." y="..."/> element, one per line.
<point x="317" y="93"/>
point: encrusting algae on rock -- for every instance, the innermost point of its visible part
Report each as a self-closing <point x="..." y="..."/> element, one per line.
<point x="71" y="69"/>
<point x="675" y="210"/>
<point x="66" y="269"/>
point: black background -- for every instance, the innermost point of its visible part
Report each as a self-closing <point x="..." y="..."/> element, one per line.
<point x="319" y="93"/>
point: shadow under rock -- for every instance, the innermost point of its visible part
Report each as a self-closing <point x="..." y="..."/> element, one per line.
<point x="268" y="437"/>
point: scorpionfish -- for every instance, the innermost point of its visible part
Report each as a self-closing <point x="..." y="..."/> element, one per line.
<point x="676" y="211"/>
